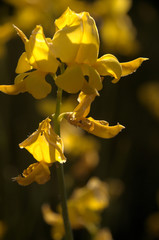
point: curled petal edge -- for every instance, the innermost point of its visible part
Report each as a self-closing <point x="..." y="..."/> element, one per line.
<point x="99" y="128"/>
<point x="36" y="172"/>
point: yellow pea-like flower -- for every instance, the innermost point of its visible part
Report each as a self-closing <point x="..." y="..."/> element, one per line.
<point x="46" y="147"/>
<point x="38" y="57"/>
<point x="76" y="42"/>
<point x="44" y="144"/>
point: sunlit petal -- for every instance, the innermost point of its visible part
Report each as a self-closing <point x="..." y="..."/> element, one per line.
<point x="39" y="52"/>
<point x="23" y="64"/>
<point x="108" y="65"/>
<point x="44" y="144"/>
<point x="76" y="39"/>
<point x="89" y="46"/>
<point x="68" y="37"/>
<point x="132" y="66"/>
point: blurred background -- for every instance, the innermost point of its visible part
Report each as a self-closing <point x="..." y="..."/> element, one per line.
<point x="128" y="163"/>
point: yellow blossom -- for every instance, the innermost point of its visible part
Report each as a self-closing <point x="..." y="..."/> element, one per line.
<point x="46" y="147"/>
<point x="96" y="127"/>
<point x="37" y="57"/>
<point x="44" y="144"/>
<point x="76" y="43"/>
<point x="84" y="207"/>
<point x="86" y="154"/>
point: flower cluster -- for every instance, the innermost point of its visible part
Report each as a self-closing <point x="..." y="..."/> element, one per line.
<point x="74" y="50"/>
<point x="84" y="207"/>
<point x="75" y="43"/>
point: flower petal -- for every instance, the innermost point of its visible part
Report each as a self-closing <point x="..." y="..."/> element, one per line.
<point x="71" y="80"/>
<point x="21" y="34"/>
<point x="39" y="52"/>
<point x="66" y="40"/>
<point x="13" y="89"/>
<point x="76" y="39"/>
<point x="89" y="45"/>
<point x="23" y="64"/>
<point x="36" y="84"/>
<point x="103" y="130"/>
<point x="94" y="81"/>
<point x="36" y="172"/>
<point x="83" y="108"/>
<point x="108" y="65"/>
<point x="44" y="144"/>
<point x="96" y="127"/>
<point x="68" y="18"/>
<point x="132" y="66"/>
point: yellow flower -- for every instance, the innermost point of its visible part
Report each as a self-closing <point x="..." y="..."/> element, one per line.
<point x="87" y="153"/>
<point x="37" y="57"/>
<point x="96" y="127"/>
<point x="84" y="207"/>
<point x="44" y="144"/>
<point x="76" y="43"/>
<point x="46" y="147"/>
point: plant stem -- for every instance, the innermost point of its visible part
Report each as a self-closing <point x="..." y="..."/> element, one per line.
<point x="60" y="173"/>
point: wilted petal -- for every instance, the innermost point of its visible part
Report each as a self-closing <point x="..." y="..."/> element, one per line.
<point x="83" y="108"/>
<point x="36" y="84"/>
<point x="36" y="172"/>
<point x="102" y="128"/>
<point x="132" y="66"/>
<point x="23" y="64"/>
<point x="71" y="80"/>
<point x="96" y="127"/>
<point x="108" y="65"/>
<point x="44" y="144"/>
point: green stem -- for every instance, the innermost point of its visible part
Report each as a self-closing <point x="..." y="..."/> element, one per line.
<point x="60" y="173"/>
